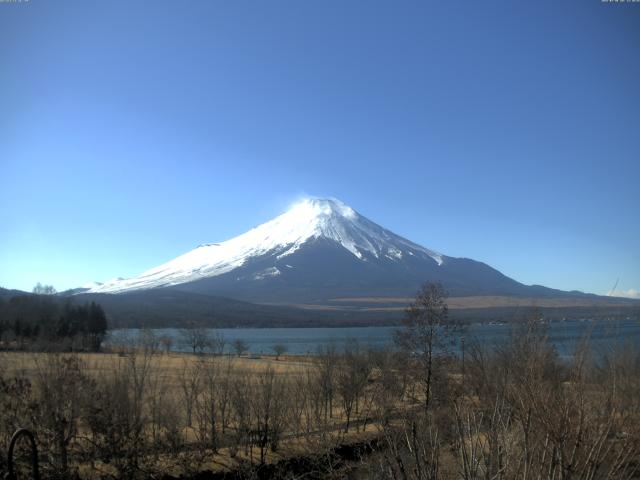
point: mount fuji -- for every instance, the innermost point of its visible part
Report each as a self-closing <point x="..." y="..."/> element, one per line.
<point x="318" y="252"/>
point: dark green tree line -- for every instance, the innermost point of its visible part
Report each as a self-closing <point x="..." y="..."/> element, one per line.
<point x="25" y="319"/>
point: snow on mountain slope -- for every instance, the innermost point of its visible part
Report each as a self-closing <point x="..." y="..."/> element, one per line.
<point x="282" y="236"/>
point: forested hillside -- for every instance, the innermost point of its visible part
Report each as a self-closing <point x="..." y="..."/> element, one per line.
<point x="44" y="319"/>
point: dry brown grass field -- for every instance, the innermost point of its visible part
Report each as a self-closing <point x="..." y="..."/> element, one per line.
<point x="171" y="364"/>
<point x="178" y="380"/>
<point x="488" y="301"/>
<point x="514" y="411"/>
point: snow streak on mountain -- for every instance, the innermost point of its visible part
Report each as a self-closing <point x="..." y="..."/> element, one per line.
<point x="307" y="222"/>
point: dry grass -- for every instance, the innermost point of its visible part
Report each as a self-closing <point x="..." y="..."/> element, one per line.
<point x="491" y="301"/>
<point x="172" y="364"/>
<point x="170" y="370"/>
<point x="522" y="387"/>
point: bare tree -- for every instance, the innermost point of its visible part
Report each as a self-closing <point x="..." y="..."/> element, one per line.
<point x="352" y="375"/>
<point x="160" y="407"/>
<point x="207" y="404"/>
<point x="167" y="342"/>
<point x="327" y="359"/>
<point x="195" y="338"/>
<point x="240" y="346"/>
<point x="240" y="403"/>
<point x="190" y="386"/>
<point x="268" y="408"/>
<point x="61" y="385"/>
<point x="531" y="415"/>
<point x="279" y="349"/>
<point x="40" y="289"/>
<point x="217" y="343"/>
<point x="116" y="416"/>
<point x="16" y="405"/>
<point x="426" y="335"/>
<point x="224" y="392"/>
<point x="149" y="341"/>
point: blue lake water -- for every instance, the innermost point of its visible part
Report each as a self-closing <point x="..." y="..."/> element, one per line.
<point x="565" y="336"/>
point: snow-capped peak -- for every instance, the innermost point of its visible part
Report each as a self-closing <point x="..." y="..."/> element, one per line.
<point x="318" y="207"/>
<point x="308" y="219"/>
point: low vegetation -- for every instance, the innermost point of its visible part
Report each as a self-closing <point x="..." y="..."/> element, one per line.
<point x="517" y="411"/>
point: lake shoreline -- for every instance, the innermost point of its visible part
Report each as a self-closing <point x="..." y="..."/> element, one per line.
<point x="565" y="335"/>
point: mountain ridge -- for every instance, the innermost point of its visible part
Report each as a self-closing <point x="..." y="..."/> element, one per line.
<point x="321" y="249"/>
<point x="308" y="220"/>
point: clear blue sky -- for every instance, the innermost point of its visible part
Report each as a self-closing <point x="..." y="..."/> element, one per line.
<point x="507" y="132"/>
